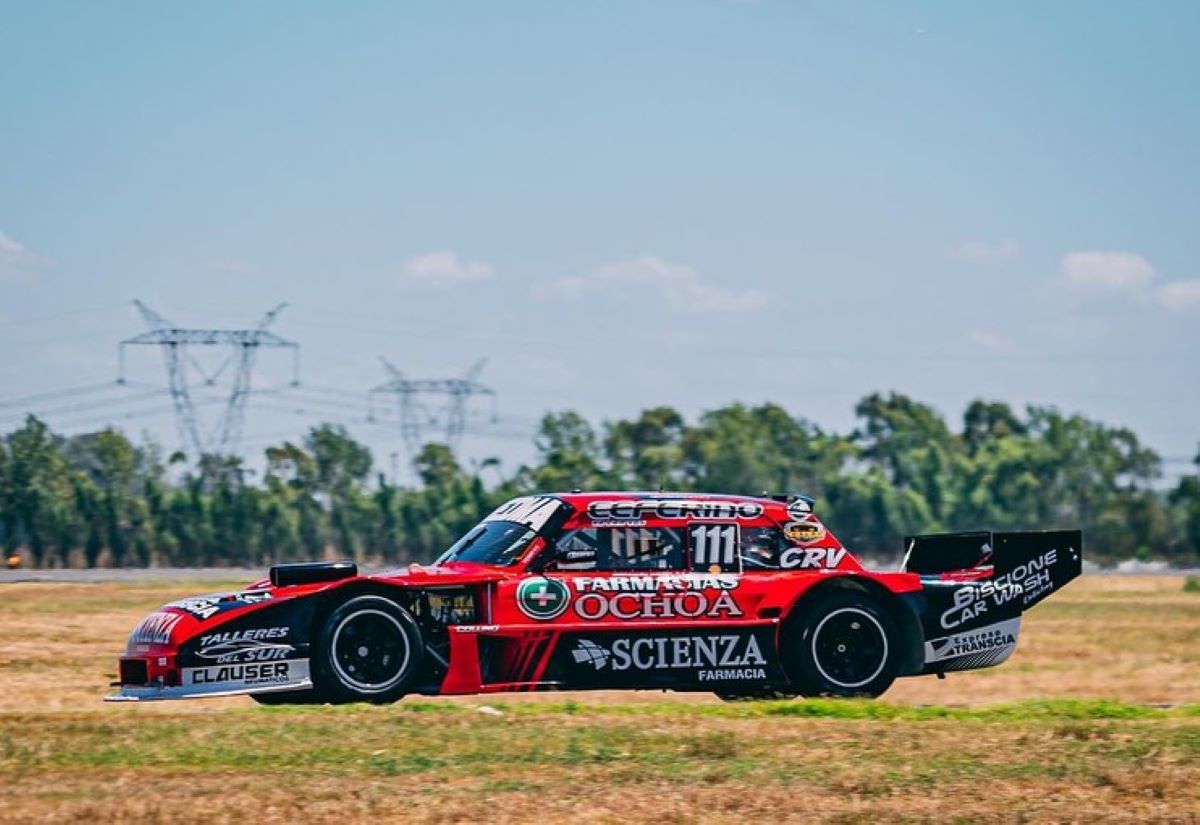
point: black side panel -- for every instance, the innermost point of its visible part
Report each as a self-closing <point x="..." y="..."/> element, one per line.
<point x="945" y="552"/>
<point x="1038" y="563"/>
<point x="702" y="658"/>
<point x="277" y="631"/>
<point x="1027" y="567"/>
<point x="266" y="648"/>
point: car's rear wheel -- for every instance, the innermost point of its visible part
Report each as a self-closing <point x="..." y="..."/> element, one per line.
<point x="842" y="644"/>
<point x="369" y="649"/>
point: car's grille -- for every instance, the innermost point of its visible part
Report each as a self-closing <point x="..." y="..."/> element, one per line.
<point x="133" y="672"/>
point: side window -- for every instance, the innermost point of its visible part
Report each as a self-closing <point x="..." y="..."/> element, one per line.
<point x="714" y="547"/>
<point x="761" y="547"/>
<point x="620" y="548"/>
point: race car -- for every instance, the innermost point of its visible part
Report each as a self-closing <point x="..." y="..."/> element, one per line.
<point x="742" y="596"/>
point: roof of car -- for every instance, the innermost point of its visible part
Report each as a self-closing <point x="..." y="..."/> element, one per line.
<point x="578" y="498"/>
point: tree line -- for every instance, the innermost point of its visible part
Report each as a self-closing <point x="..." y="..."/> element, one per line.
<point x="101" y="499"/>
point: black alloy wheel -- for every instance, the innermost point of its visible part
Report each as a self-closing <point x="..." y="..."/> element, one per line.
<point x="842" y="643"/>
<point x="369" y="650"/>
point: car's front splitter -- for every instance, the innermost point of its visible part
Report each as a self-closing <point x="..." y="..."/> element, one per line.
<point x="293" y="675"/>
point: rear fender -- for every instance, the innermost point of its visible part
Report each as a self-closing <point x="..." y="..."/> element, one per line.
<point x="905" y="610"/>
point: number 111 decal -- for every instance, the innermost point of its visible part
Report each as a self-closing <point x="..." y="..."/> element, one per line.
<point x="715" y="544"/>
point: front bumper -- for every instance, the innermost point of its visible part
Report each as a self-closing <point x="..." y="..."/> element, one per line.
<point x="219" y="680"/>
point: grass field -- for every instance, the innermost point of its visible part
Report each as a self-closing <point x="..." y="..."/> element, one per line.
<point x="1067" y="730"/>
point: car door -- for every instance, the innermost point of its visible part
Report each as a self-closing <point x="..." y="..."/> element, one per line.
<point x="623" y="575"/>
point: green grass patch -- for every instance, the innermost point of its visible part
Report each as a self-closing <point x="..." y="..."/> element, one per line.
<point x="866" y="709"/>
<point x="860" y="749"/>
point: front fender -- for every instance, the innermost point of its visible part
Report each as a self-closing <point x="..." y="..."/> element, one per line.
<point x="249" y="641"/>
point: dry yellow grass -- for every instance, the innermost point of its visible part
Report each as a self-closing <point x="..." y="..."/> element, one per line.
<point x="1083" y="751"/>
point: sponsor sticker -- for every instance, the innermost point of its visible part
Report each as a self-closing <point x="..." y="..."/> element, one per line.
<point x="999" y="637"/>
<point x="205" y="607"/>
<point x="533" y="511"/>
<point x="686" y="596"/>
<point x="247" y="675"/>
<point x="812" y="558"/>
<point x="542" y="598"/>
<point x="690" y="605"/>
<point x="259" y="644"/>
<point x="799" y="508"/>
<point x="804" y="532"/>
<point x="155" y="629"/>
<point x="639" y="510"/>
<point x="711" y="658"/>
<point x="1026" y="582"/>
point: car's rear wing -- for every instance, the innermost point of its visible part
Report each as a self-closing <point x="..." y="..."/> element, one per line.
<point x="1031" y="565"/>
<point x="975" y="586"/>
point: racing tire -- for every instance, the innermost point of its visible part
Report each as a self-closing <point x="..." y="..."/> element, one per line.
<point x="287" y="697"/>
<point x="843" y="644"/>
<point x="369" y="649"/>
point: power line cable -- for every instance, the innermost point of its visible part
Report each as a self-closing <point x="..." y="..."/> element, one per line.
<point x="69" y="392"/>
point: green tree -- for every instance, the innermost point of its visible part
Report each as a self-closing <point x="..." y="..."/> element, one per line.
<point x="39" y="491"/>
<point x="568" y="454"/>
<point x="646" y="453"/>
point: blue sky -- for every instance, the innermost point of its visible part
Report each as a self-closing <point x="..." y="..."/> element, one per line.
<point x="621" y="204"/>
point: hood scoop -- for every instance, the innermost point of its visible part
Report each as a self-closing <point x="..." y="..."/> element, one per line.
<point x="313" y="572"/>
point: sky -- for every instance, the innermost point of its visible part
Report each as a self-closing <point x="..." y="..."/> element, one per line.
<point x="618" y="204"/>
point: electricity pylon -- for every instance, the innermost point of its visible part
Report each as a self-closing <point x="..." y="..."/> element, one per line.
<point x="416" y="416"/>
<point x="176" y="343"/>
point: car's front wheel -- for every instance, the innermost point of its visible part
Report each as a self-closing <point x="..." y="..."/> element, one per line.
<point x="369" y="649"/>
<point x="843" y="644"/>
<point x="287" y="697"/>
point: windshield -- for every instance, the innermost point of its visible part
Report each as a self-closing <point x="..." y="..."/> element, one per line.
<point x="493" y="542"/>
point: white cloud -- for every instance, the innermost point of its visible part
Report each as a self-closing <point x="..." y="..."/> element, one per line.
<point x="1100" y="271"/>
<point x="1128" y="275"/>
<point x="987" y="251"/>
<point x="443" y="268"/>
<point x="677" y="284"/>
<point x="10" y="247"/>
<point x="16" y="262"/>
<point x="1179" y="295"/>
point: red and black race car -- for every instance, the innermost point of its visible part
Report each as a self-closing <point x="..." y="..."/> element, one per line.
<point x="741" y="596"/>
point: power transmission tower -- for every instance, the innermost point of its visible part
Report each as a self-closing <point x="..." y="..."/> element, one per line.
<point x="176" y="343"/>
<point x="416" y="416"/>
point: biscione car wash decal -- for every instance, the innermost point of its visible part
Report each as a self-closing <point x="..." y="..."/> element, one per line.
<point x="687" y="596"/>
<point x="542" y="598"/>
<point x="1026" y="580"/>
